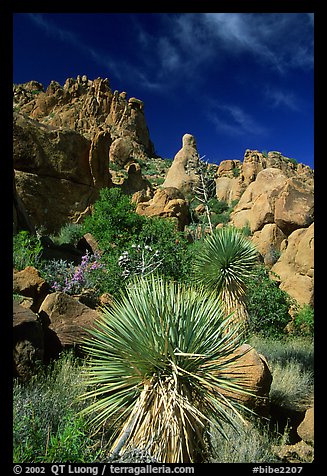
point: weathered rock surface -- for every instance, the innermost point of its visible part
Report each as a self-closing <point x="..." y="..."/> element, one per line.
<point x="295" y="267"/>
<point x="306" y="428"/>
<point x="181" y="174"/>
<point x="67" y="318"/>
<point x="63" y="140"/>
<point x="29" y="283"/>
<point x="252" y="372"/>
<point x="168" y="203"/>
<point x="233" y="177"/>
<point x="28" y="344"/>
<point x="135" y="182"/>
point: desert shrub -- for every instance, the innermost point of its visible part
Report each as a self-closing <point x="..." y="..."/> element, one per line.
<point x="161" y="234"/>
<point x="252" y="443"/>
<point x="70" y="233"/>
<point x="267" y="304"/>
<point x="291" y="362"/>
<point x="304" y="321"/>
<point x="119" y="229"/>
<point x="46" y="426"/>
<point x="113" y="222"/>
<point x="27" y="250"/>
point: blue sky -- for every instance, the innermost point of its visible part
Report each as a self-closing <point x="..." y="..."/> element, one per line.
<point x="235" y="81"/>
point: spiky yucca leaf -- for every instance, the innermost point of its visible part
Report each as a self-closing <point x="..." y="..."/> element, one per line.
<point x="158" y="367"/>
<point x="224" y="264"/>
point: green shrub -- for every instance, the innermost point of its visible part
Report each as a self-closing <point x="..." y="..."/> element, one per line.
<point x="117" y="227"/>
<point x="113" y="222"/>
<point x="304" y="320"/>
<point x="267" y="304"/>
<point x="27" y="250"/>
<point x="161" y="234"/>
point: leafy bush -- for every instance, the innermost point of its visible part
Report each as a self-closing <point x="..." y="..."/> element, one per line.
<point x="113" y="222"/>
<point x="304" y="320"/>
<point x="117" y="227"/>
<point x="70" y="233"/>
<point x="27" y="250"/>
<point x="267" y="304"/>
<point x="161" y="234"/>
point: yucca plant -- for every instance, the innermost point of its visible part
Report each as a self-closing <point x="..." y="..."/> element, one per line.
<point x="224" y="264"/>
<point x="158" y="372"/>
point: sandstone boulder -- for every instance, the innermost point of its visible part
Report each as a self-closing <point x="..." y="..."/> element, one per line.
<point x="53" y="174"/>
<point x="121" y="151"/>
<point x="257" y="204"/>
<point x="294" y="206"/>
<point x="168" y="203"/>
<point x="67" y="318"/>
<point x="306" y="428"/>
<point x="295" y="267"/>
<point x="268" y="242"/>
<point x="29" y="283"/>
<point x="251" y="371"/>
<point x="182" y="174"/>
<point x="28" y="342"/>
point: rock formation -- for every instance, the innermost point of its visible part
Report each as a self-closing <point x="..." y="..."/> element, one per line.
<point x="295" y="267"/>
<point x="63" y="141"/>
<point x="182" y="174"/>
<point x="167" y="203"/>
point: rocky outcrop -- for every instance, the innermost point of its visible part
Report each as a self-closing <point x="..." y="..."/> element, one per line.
<point x="135" y="182"/>
<point x="57" y="173"/>
<point x="85" y="106"/>
<point x="63" y="141"/>
<point x="233" y="177"/>
<point x="306" y="428"/>
<point x="168" y="203"/>
<point x="181" y="174"/>
<point x="295" y="267"/>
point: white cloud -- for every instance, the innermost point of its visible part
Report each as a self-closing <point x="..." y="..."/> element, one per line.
<point x="277" y="98"/>
<point x="281" y="40"/>
<point x="233" y="120"/>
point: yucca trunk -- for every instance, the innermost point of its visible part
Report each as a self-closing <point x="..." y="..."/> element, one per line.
<point x="234" y="306"/>
<point x="164" y="424"/>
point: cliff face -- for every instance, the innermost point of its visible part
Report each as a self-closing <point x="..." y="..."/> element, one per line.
<point x="63" y="141"/>
<point x="86" y="107"/>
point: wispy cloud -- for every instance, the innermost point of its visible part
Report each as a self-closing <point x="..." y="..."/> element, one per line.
<point x="277" y="98"/>
<point x="280" y="40"/>
<point x="233" y="120"/>
<point x="184" y="45"/>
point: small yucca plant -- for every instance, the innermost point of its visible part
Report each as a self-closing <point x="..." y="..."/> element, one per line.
<point x="158" y="371"/>
<point x="224" y="264"/>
